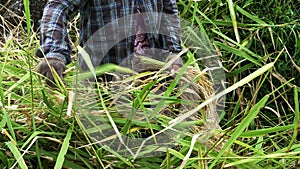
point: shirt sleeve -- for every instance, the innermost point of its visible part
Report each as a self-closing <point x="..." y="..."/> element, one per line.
<point x="171" y="22"/>
<point x="54" y="41"/>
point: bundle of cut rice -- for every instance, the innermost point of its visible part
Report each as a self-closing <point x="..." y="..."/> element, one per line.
<point x="136" y="99"/>
<point x="194" y="87"/>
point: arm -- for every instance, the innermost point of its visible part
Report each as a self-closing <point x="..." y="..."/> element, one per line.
<point x="171" y="25"/>
<point x="54" y="39"/>
<point x="171" y="22"/>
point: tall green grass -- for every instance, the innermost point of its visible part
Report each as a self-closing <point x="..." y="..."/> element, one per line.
<point x="259" y="44"/>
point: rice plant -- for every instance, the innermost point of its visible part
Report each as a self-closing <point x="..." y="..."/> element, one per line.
<point x="258" y="43"/>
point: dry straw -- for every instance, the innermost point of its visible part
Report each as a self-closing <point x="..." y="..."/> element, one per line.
<point x="193" y="87"/>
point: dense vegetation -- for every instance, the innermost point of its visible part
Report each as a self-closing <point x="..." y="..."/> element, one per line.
<point x="257" y="41"/>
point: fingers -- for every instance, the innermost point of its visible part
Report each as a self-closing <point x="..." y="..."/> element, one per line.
<point x="50" y="79"/>
<point x="177" y="63"/>
<point x="42" y="69"/>
<point x="45" y="68"/>
<point x="175" y="67"/>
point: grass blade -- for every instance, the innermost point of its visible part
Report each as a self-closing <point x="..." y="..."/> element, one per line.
<point x="63" y="151"/>
<point x="17" y="155"/>
<point x="263" y="132"/>
<point x="296" y="119"/>
<point x="28" y="20"/>
<point x="254" y="18"/>
<point x="234" y="22"/>
<point x="127" y="162"/>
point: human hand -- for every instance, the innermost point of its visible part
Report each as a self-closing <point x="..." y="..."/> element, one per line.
<point x="176" y="64"/>
<point x="175" y="67"/>
<point x="45" y="68"/>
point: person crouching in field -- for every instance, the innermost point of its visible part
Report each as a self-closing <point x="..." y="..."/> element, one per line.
<point x="55" y="46"/>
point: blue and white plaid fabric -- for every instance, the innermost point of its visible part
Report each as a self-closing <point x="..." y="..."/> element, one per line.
<point x="107" y="27"/>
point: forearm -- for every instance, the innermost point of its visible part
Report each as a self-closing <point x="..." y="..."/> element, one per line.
<point x="171" y="22"/>
<point x="54" y="39"/>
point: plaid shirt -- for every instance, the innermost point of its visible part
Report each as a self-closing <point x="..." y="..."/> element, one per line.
<point x="95" y="15"/>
